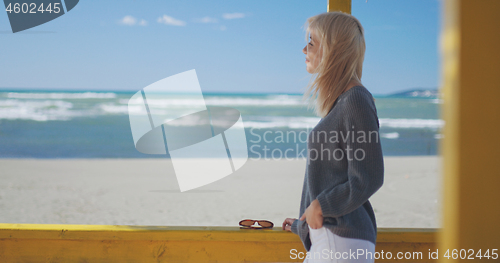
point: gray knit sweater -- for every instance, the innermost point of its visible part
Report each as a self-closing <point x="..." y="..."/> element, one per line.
<point x="344" y="168"/>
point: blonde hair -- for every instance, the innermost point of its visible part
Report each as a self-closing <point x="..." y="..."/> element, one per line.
<point x="341" y="38"/>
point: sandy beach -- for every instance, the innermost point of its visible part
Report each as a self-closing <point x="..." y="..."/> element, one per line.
<point x="145" y="192"/>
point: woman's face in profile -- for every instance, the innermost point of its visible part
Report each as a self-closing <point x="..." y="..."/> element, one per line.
<point x="313" y="53"/>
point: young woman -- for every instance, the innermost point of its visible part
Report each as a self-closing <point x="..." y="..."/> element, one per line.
<point x="344" y="163"/>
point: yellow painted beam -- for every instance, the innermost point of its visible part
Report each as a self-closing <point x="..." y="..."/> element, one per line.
<point x="94" y="243"/>
<point x="339" y="5"/>
<point x="470" y="42"/>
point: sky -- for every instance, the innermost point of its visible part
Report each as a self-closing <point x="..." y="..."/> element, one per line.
<point x="234" y="46"/>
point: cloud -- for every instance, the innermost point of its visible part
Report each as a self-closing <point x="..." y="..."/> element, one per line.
<point x="168" y="20"/>
<point x="132" y="21"/>
<point x="128" y="20"/>
<point x="233" y="15"/>
<point x="222" y="28"/>
<point x="206" y="20"/>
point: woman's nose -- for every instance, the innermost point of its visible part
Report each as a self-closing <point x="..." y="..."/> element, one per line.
<point x="304" y="50"/>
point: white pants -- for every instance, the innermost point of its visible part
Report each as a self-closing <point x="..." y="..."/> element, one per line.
<point x="328" y="247"/>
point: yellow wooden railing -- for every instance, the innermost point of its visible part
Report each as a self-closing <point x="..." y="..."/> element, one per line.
<point x="103" y="243"/>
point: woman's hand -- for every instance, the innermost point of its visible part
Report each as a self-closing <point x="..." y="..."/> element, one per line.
<point x="287" y="224"/>
<point x="313" y="215"/>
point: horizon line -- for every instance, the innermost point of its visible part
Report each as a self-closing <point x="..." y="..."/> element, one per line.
<point x="41" y="89"/>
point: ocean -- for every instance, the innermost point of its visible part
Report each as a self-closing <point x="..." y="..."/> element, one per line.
<point x="78" y="124"/>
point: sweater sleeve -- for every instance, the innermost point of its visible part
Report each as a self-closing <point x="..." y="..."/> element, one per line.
<point x="365" y="164"/>
<point x="294" y="227"/>
<point x="301" y="228"/>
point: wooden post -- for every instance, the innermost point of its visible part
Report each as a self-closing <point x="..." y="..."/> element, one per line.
<point x="470" y="42"/>
<point x="339" y="5"/>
